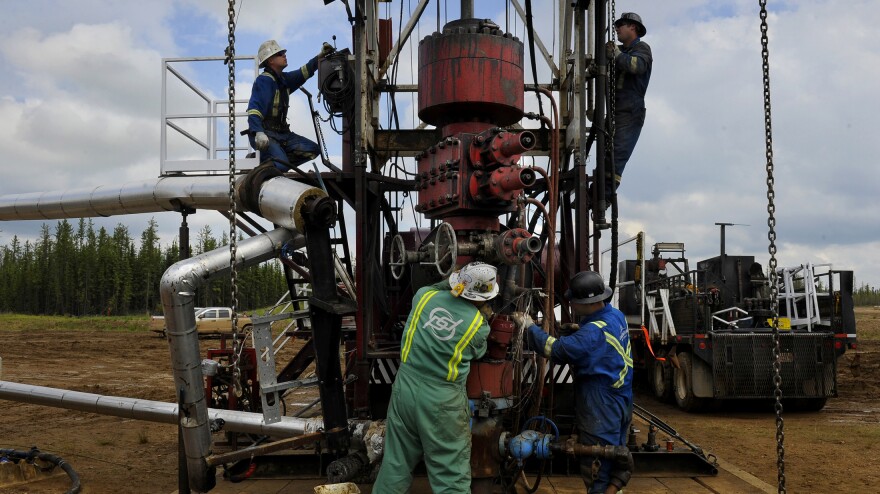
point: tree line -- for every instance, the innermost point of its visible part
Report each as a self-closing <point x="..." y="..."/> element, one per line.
<point x="866" y="295"/>
<point x="82" y="271"/>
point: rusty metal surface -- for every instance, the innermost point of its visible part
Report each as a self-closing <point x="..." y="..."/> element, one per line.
<point x="471" y="76"/>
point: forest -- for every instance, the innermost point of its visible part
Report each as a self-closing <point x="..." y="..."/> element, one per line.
<point x="78" y="271"/>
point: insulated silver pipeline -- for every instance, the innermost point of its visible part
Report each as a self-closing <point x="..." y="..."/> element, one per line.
<point x="161" y="194"/>
<point x="178" y="289"/>
<point x="152" y="411"/>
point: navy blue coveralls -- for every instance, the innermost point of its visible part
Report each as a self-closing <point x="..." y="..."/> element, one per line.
<point x="600" y="358"/>
<point x="633" y="70"/>
<point x="267" y="112"/>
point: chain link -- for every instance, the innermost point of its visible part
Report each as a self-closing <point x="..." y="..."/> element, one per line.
<point x="612" y="79"/>
<point x="771" y="236"/>
<point x="233" y="254"/>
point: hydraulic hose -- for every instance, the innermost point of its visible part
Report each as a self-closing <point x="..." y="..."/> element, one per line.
<point x="34" y="453"/>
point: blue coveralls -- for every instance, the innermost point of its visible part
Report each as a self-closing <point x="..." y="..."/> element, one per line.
<point x="600" y="357"/>
<point x="428" y="414"/>
<point x="633" y="69"/>
<point x="267" y="112"/>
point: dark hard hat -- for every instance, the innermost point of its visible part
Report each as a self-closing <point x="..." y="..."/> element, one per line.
<point x="587" y="287"/>
<point x="633" y="18"/>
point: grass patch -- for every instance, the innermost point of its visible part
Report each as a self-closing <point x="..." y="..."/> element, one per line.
<point x="143" y="438"/>
<point x="26" y="322"/>
<point x="868" y="323"/>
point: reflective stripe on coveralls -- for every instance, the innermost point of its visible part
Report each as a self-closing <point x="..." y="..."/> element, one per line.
<point x="463" y="342"/>
<point x="627" y="360"/>
<point x="611" y="340"/>
<point x="415" y="320"/>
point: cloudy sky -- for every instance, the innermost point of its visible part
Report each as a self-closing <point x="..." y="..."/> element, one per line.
<point x="80" y="94"/>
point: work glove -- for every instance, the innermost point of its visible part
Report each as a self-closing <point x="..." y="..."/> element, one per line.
<point x="612" y="50"/>
<point x="326" y="49"/>
<point x="261" y="141"/>
<point x="487" y="311"/>
<point x="522" y="320"/>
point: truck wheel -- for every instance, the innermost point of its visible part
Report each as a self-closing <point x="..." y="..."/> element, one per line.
<point x="661" y="380"/>
<point x="684" y="386"/>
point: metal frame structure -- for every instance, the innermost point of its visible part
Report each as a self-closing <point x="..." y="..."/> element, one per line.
<point x="212" y="162"/>
<point x="362" y="184"/>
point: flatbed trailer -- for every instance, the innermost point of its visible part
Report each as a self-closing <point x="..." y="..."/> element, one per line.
<point x="705" y="335"/>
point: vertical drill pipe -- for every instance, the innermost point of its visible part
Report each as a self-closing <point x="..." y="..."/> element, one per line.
<point x="467" y="9"/>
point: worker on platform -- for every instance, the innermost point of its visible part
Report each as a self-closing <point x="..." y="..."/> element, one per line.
<point x="599" y="355"/>
<point x="428" y="417"/>
<point x="632" y="62"/>
<point x="268" y="130"/>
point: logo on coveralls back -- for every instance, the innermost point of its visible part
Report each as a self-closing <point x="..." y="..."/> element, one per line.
<point x="442" y="324"/>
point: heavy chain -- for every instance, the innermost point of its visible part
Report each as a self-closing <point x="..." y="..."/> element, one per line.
<point x="230" y="62"/>
<point x="612" y="78"/>
<point x="771" y="236"/>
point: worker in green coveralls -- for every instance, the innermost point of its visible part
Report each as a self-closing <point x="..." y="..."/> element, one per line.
<point x="428" y="415"/>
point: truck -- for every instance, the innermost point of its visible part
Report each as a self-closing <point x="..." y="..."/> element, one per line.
<point x="209" y="321"/>
<point x="705" y="335"/>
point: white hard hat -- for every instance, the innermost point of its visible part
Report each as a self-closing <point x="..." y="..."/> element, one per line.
<point x="475" y="281"/>
<point x="267" y="49"/>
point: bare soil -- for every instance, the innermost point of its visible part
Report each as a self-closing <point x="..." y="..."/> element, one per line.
<point x="835" y="449"/>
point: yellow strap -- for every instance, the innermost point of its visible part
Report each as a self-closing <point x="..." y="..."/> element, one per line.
<point x="415" y="319"/>
<point x="305" y="71"/>
<point x="627" y="360"/>
<point x="276" y="102"/>
<point x="254" y="111"/>
<point x="452" y="375"/>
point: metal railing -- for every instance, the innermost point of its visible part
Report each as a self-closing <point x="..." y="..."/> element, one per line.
<point x="215" y="112"/>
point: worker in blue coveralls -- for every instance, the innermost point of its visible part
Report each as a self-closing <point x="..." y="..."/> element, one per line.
<point x="632" y="64"/>
<point x="428" y="415"/>
<point x="268" y="130"/>
<point x="600" y="357"/>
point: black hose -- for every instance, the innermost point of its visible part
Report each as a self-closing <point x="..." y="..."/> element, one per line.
<point x="34" y="453"/>
<point x="531" y="35"/>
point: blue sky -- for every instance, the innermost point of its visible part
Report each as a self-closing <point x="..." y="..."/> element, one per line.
<point x="80" y="92"/>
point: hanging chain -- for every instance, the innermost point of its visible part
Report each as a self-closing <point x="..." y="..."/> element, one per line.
<point x="230" y="62"/>
<point x="612" y="95"/>
<point x="771" y="236"/>
<point x="612" y="72"/>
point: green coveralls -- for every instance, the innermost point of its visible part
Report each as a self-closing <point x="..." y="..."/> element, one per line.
<point x="428" y="415"/>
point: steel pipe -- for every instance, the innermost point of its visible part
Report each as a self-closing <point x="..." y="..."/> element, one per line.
<point x="152" y="411"/>
<point x="178" y="290"/>
<point x="162" y="194"/>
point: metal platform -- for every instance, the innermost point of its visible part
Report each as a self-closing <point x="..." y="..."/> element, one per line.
<point x="729" y="479"/>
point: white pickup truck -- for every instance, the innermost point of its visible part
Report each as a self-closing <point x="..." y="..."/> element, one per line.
<point x="209" y="321"/>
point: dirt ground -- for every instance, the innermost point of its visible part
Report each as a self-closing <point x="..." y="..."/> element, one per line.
<point x="835" y="449"/>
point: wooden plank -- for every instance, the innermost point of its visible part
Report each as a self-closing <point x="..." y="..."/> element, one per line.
<point x="731" y="477"/>
<point x="685" y="485"/>
<point x="269" y="486"/>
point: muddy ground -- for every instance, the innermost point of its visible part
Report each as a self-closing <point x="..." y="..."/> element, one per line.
<point x="835" y="449"/>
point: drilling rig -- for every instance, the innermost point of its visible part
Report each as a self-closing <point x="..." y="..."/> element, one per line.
<point x="425" y="201"/>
